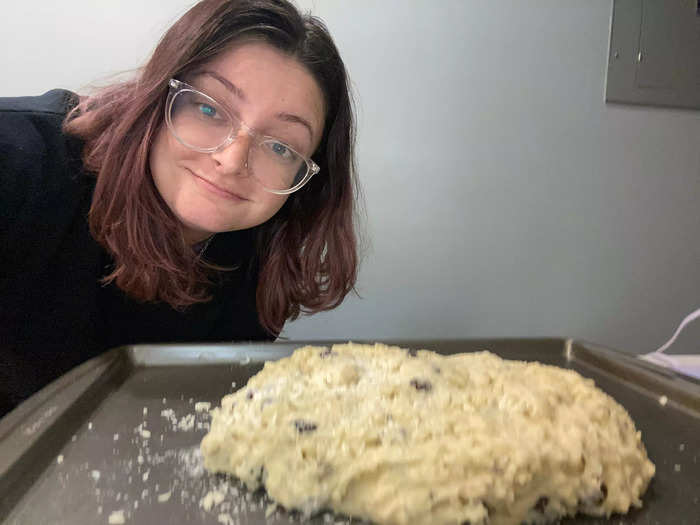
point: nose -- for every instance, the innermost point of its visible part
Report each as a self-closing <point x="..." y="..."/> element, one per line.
<point x="233" y="159"/>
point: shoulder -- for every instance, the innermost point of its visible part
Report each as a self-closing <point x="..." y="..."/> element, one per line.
<point x="56" y="101"/>
<point x="34" y="152"/>
<point x="39" y="168"/>
<point x="29" y="124"/>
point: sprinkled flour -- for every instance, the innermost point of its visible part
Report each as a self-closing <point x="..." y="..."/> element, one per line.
<point x="116" y="517"/>
<point x="142" y="473"/>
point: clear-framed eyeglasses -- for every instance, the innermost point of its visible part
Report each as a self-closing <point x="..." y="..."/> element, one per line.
<point x="201" y="123"/>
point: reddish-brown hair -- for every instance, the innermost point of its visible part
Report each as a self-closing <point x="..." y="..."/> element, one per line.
<point x="307" y="252"/>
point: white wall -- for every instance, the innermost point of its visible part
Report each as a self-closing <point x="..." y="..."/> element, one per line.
<point x="504" y="197"/>
<point x="75" y="44"/>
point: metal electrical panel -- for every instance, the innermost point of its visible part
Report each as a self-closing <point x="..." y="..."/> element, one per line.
<point x="654" y="55"/>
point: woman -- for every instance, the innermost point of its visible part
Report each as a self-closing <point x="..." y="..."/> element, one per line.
<point x="210" y="199"/>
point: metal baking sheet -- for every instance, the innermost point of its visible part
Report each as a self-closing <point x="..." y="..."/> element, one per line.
<point x="117" y="438"/>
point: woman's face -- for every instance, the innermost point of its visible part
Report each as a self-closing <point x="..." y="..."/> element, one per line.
<point x="214" y="192"/>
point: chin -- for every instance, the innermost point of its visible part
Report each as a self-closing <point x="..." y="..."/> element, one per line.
<point x="210" y="228"/>
<point x="217" y="224"/>
<point x="206" y="225"/>
<point x="203" y="217"/>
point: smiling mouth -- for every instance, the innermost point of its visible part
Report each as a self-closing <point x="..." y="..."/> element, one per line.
<point x="218" y="190"/>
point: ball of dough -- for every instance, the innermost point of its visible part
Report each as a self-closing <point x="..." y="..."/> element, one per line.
<point x="403" y="437"/>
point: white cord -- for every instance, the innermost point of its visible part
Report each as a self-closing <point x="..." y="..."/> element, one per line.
<point x="688" y="319"/>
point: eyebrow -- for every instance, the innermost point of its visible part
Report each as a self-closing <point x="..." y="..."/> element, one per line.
<point x="238" y="92"/>
<point x="233" y="88"/>
<point x="288" y="117"/>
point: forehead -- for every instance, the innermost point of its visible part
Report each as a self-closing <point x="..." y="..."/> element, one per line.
<point x="272" y="82"/>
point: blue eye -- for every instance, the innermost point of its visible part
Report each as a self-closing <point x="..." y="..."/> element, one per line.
<point x="279" y="152"/>
<point x="207" y="110"/>
<point x="280" y="149"/>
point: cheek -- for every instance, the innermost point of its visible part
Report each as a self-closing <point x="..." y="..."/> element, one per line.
<point x="163" y="157"/>
<point x="270" y="204"/>
<point x="158" y="161"/>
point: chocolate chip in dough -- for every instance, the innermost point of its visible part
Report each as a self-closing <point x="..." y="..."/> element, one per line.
<point x="249" y="395"/>
<point x="541" y="504"/>
<point x="327" y="352"/>
<point x="419" y="384"/>
<point x="261" y="474"/>
<point x="412" y="352"/>
<point x="603" y="493"/>
<point x="595" y="499"/>
<point x="304" y="426"/>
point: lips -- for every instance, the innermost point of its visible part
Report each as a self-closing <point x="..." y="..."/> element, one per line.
<point x="216" y="189"/>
